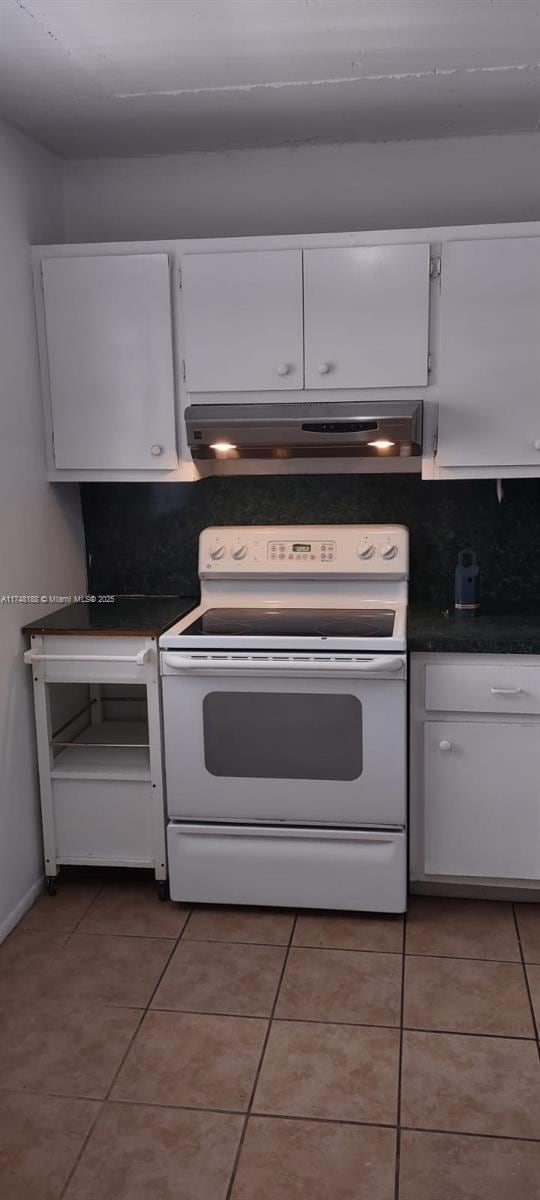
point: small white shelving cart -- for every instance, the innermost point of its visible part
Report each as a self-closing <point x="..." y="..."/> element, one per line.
<point x="98" y="728"/>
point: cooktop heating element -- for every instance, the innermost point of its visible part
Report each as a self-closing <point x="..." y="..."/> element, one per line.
<point x="302" y="622"/>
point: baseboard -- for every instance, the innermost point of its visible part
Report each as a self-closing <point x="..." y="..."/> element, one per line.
<point x="474" y="891"/>
<point x="18" y="912"/>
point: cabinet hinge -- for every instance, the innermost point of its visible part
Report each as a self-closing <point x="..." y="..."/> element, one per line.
<point x="41" y="280"/>
<point x="435" y="268"/>
<point x="435" y="442"/>
<point x="429" y="364"/>
<point x="179" y="278"/>
<point x="184" y="369"/>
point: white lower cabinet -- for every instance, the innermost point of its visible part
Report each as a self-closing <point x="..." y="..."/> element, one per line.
<point x="482" y="798"/>
<point x="475" y="774"/>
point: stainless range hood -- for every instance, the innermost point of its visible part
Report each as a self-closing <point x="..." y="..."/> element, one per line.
<point x="338" y="429"/>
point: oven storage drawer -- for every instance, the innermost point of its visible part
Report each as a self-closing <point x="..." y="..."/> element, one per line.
<point x="291" y="867"/>
<point x="475" y="687"/>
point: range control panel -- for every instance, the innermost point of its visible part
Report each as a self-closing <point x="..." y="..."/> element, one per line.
<point x="347" y="550"/>
<point x="302" y="551"/>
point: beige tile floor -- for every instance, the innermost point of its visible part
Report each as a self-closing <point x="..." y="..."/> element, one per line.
<point x="149" y="1051"/>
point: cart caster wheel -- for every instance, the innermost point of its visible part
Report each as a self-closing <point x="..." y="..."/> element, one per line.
<point x="163" y="889"/>
<point x="51" y="885"/>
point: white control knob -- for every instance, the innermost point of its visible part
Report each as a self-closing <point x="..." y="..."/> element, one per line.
<point x="366" y="551"/>
<point x="445" y="745"/>
<point x="217" y="552"/>
<point x="283" y="369"/>
<point x="537" y="444"/>
<point x="240" y="552"/>
<point x="389" y="552"/>
<point x="323" y="368"/>
<point x="156" y="450"/>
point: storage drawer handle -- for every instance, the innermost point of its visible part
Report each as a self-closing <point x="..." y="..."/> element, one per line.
<point x="505" y="691"/>
<point x="319" y="835"/>
<point x="30" y="656"/>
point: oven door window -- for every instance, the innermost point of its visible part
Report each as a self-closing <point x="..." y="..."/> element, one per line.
<point x="282" y="735"/>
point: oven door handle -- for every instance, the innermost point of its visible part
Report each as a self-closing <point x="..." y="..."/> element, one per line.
<point x="289" y="666"/>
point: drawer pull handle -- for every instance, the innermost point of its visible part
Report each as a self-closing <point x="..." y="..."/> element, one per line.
<point x="445" y="745"/>
<point x="505" y="691"/>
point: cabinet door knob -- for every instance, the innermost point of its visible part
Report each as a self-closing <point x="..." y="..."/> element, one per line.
<point x="156" y="450"/>
<point x="537" y="444"/>
<point x="283" y="369"/>
<point x="445" y="745"/>
<point x="323" y="368"/>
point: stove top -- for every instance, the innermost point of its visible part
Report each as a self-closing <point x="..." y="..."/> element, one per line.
<point x="298" y="588"/>
<point x="294" y="622"/>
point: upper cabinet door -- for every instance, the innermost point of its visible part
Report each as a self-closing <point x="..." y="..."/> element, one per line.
<point x="489" y="412"/>
<point x="110" y="361"/>
<point x="367" y="316"/>
<point x="243" y="321"/>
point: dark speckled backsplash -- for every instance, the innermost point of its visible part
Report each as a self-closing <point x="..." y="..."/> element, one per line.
<point x="142" y="537"/>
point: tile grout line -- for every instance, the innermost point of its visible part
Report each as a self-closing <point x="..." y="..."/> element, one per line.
<point x="264" y="1016"/>
<point x="86" y="911"/>
<point x="236" y="1112"/>
<point x="91" y="905"/>
<point x="536" y="1026"/>
<point x="68" y="933"/>
<point x="185" y="925"/>
<point x="101" y="1103"/>
<point x="400" y="1062"/>
<point x="240" y="1146"/>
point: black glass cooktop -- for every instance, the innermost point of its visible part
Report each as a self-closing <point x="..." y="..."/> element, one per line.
<point x="304" y="622"/>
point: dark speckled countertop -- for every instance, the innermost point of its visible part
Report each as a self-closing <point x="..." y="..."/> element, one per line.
<point x="432" y="630"/>
<point x="131" y="616"/>
<point x="429" y="629"/>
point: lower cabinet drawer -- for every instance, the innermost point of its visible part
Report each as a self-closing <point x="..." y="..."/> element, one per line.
<point x="103" y="821"/>
<point x="293" y="867"/>
<point x="504" y="688"/>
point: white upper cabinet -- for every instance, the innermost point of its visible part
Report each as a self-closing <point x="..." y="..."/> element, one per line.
<point x="243" y="321"/>
<point x="489" y="369"/>
<point x="367" y="316"/>
<point x="110" y="361"/>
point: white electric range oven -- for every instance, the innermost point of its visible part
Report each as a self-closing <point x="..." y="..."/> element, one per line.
<point x="284" y="703"/>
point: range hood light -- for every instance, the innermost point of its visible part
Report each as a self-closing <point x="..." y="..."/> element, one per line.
<point x="382" y="444"/>
<point x="222" y="447"/>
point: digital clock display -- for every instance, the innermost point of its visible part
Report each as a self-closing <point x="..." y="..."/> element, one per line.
<point x="301" y="548"/>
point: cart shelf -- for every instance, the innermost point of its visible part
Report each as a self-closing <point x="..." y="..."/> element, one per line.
<point x="106" y="750"/>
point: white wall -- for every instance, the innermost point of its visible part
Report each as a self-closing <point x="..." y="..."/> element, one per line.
<point x="41" y="542"/>
<point x="306" y="189"/>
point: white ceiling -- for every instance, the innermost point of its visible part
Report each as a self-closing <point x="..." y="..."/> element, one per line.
<point x="118" y="77"/>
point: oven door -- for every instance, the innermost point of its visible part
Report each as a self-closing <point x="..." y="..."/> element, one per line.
<point x="303" y="739"/>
